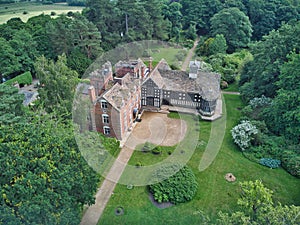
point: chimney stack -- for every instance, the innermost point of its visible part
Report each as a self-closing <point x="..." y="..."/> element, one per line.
<point x="92" y="94"/>
<point x="150" y="63"/>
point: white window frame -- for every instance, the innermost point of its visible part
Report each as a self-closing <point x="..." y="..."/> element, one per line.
<point x="104" y="102"/>
<point x="105" y="118"/>
<point x="105" y="130"/>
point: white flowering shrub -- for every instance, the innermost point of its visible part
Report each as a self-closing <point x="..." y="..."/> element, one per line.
<point x="260" y="102"/>
<point x="243" y="133"/>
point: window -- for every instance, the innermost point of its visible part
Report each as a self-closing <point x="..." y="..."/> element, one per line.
<point x="105" y="118"/>
<point x="106" y="130"/>
<point x="103" y="104"/>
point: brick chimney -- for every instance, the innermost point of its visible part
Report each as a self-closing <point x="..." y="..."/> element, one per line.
<point x="150" y="63"/>
<point x="92" y="94"/>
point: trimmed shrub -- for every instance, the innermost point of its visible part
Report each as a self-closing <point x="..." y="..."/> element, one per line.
<point x="53" y="13"/>
<point x="138" y="164"/>
<point x="156" y="150"/>
<point x="23" y="79"/>
<point x="269" y="162"/>
<point x="146" y="147"/>
<point x="25" y="12"/>
<point x="178" y="188"/>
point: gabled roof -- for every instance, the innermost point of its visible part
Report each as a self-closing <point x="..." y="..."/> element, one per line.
<point x="120" y="94"/>
<point x="156" y="77"/>
<point x="195" y="64"/>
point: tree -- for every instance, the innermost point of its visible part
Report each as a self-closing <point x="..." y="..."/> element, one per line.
<point x="173" y="14"/>
<point x="157" y="24"/>
<point x="103" y="14"/>
<point x="243" y="133"/>
<point x="8" y="30"/>
<point x="85" y="36"/>
<point x="44" y="179"/>
<point x="283" y="116"/>
<point x="258" y="208"/>
<point x="191" y="32"/>
<point x="212" y="46"/>
<point x="11" y="105"/>
<point x="25" y="50"/>
<point x="262" y="17"/>
<point x="9" y="63"/>
<point x="60" y="35"/>
<point x="255" y="197"/>
<point x="234" y="25"/>
<point x="134" y="20"/>
<point x="58" y="84"/>
<point x="37" y="27"/>
<point x="260" y="75"/>
<point x="218" y="45"/>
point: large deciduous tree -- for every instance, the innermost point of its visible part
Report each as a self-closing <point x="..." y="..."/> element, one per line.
<point x="234" y="25"/>
<point x="258" y="208"/>
<point x="44" y="179"/>
<point x="283" y="115"/>
<point x="58" y="84"/>
<point x="11" y="107"/>
<point x="9" y="63"/>
<point x="259" y="76"/>
<point x="25" y="50"/>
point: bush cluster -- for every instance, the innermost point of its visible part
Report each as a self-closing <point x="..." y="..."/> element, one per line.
<point x="243" y="134"/>
<point x="269" y="162"/>
<point x="178" y="188"/>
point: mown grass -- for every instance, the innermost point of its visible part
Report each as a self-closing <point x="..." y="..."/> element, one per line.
<point x="167" y="53"/>
<point x="233" y="87"/>
<point x="8" y="11"/>
<point x="214" y="193"/>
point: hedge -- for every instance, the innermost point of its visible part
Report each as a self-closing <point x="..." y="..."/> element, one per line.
<point x="23" y="79"/>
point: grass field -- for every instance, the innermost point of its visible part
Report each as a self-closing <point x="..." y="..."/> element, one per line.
<point x="8" y="11"/>
<point x="214" y="193"/>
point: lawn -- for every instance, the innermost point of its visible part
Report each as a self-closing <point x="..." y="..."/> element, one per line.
<point x="172" y="54"/>
<point x="8" y="11"/>
<point x="214" y="193"/>
<point x="233" y="87"/>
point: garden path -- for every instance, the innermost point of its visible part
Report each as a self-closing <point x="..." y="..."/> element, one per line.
<point x="189" y="56"/>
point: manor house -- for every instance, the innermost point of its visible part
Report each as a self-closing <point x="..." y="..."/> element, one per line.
<point x="119" y="98"/>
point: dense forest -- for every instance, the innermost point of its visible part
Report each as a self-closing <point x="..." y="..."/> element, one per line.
<point x="255" y="43"/>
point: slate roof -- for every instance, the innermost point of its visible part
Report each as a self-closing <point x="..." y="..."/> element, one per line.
<point x="207" y="84"/>
<point x="102" y="73"/>
<point x="130" y="64"/>
<point x="120" y="94"/>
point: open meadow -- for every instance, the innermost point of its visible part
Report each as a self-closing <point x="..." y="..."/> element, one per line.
<point x="26" y="10"/>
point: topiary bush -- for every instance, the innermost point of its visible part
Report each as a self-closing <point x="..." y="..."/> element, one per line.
<point x="157" y="150"/>
<point x="178" y="188"/>
<point x="269" y="162"/>
<point x="146" y="148"/>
